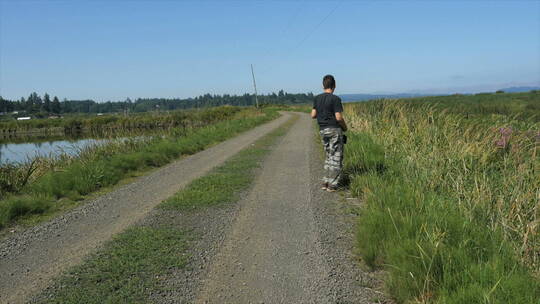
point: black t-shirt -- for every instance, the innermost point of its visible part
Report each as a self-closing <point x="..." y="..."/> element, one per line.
<point x="327" y="105"/>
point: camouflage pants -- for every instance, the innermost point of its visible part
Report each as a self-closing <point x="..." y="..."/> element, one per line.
<point x="332" y="140"/>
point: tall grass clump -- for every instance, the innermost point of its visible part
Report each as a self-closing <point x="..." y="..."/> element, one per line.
<point x="451" y="202"/>
<point x="72" y="178"/>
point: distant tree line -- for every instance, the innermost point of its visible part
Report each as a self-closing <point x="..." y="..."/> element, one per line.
<point x="44" y="106"/>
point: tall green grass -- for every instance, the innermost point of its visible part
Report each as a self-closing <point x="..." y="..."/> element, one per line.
<point x="451" y="211"/>
<point x="105" y="166"/>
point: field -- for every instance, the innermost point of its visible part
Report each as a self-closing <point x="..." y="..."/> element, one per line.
<point x="451" y="186"/>
<point x="45" y="185"/>
<point x="514" y="106"/>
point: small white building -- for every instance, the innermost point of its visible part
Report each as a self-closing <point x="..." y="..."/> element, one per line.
<point x="24" y="118"/>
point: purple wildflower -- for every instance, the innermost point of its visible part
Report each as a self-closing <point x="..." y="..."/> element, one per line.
<point x="505" y="137"/>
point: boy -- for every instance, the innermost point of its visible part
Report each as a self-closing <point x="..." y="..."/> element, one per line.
<point x="328" y="110"/>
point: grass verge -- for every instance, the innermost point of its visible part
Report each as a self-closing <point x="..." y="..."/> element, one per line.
<point x="56" y="189"/>
<point x="129" y="266"/>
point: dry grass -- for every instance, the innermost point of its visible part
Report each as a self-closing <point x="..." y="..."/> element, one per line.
<point x="453" y="202"/>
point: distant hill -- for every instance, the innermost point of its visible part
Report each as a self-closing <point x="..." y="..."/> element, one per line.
<point x="519" y="89"/>
<point x="361" y="97"/>
<point x="364" y="97"/>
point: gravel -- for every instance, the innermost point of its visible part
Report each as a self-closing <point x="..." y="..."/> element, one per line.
<point x="286" y="241"/>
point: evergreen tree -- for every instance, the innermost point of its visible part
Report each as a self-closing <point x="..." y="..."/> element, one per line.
<point x="3" y="104"/>
<point x="46" y="106"/>
<point x="22" y="104"/>
<point x="32" y="103"/>
<point x="38" y="103"/>
<point x="55" y="105"/>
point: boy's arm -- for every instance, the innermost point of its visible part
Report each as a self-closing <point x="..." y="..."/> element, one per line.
<point x="338" y="110"/>
<point x="341" y="121"/>
<point x="313" y="113"/>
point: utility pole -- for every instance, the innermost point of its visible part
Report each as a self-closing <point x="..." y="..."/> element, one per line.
<point x="254" y="86"/>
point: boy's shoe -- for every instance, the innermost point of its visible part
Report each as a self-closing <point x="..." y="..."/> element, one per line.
<point x="331" y="189"/>
<point x="324" y="186"/>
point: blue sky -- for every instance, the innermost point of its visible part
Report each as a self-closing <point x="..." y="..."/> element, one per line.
<point x="110" y="50"/>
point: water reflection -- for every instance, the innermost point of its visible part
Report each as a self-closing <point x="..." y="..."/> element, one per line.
<point x="16" y="149"/>
<point x="21" y="152"/>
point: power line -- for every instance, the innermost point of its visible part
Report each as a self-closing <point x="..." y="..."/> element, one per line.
<point x="318" y="25"/>
<point x="308" y="35"/>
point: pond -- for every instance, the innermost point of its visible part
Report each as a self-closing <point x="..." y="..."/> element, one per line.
<point x="21" y="152"/>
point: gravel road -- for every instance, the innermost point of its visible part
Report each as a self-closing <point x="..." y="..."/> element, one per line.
<point x="31" y="258"/>
<point x="290" y="242"/>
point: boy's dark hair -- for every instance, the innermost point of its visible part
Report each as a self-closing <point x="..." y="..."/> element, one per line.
<point x="329" y="82"/>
